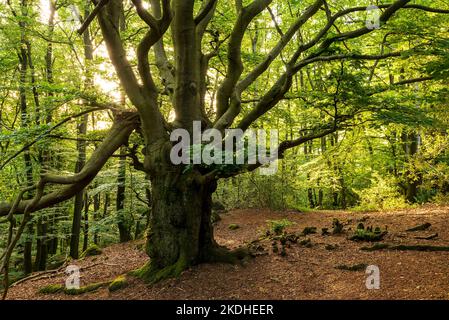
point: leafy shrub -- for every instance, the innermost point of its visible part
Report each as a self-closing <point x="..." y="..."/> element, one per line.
<point x="441" y="199"/>
<point x="383" y="194"/>
<point x="278" y="226"/>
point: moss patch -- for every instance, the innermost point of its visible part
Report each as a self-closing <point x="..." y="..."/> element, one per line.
<point x="85" y="289"/>
<point x="362" y="234"/>
<point x="93" y="250"/>
<point x="150" y="274"/>
<point x="51" y="288"/>
<point x="233" y="226"/>
<point x="118" y="283"/>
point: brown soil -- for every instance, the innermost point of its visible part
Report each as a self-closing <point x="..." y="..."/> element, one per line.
<point x="304" y="273"/>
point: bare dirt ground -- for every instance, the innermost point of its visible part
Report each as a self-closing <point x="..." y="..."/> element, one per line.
<point x="304" y="273"/>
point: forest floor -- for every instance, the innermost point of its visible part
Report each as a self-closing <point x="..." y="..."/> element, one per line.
<point x="304" y="273"/>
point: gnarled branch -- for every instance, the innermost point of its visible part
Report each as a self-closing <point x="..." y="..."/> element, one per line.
<point x="124" y="125"/>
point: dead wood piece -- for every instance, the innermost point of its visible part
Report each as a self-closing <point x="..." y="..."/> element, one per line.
<point x="429" y="237"/>
<point x="421" y="227"/>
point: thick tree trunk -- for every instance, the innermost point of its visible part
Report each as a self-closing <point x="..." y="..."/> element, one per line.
<point x="180" y="233"/>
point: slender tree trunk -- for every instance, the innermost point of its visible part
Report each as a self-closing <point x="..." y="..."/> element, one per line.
<point x="86" y="223"/>
<point x="41" y="246"/>
<point x="23" y="68"/>
<point x="46" y="115"/>
<point x="28" y="250"/>
<point x="140" y="228"/>
<point x="53" y="240"/>
<point x="410" y="145"/>
<point x="124" y="220"/>
<point x="81" y="147"/>
<point x="96" y="215"/>
<point x="79" y="197"/>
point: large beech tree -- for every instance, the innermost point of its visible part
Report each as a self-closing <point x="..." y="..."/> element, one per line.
<point x="180" y="232"/>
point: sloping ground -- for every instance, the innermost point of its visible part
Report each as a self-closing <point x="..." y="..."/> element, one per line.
<point x="304" y="273"/>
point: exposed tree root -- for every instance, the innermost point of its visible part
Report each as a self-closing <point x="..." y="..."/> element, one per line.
<point x="118" y="283"/>
<point x="152" y="274"/>
<point x="56" y="288"/>
<point x="216" y="254"/>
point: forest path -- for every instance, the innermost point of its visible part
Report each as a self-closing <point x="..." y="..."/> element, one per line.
<point x="304" y="273"/>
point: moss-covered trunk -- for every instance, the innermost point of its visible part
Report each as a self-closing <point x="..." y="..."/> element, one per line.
<point x="180" y="225"/>
<point x="180" y="233"/>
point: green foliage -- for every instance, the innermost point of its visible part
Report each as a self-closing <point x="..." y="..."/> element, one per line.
<point x="278" y="226"/>
<point x="196" y="150"/>
<point x="13" y="277"/>
<point x="382" y="195"/>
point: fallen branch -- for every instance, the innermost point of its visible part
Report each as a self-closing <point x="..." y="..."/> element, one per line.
<point x="421" y="227"/>
<point x="38" y="275"/>
<point x="51" y="273"/>
<point x="356" y="267"/>
<point x="403" y="247"/>
<point x="429" y="237"/>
